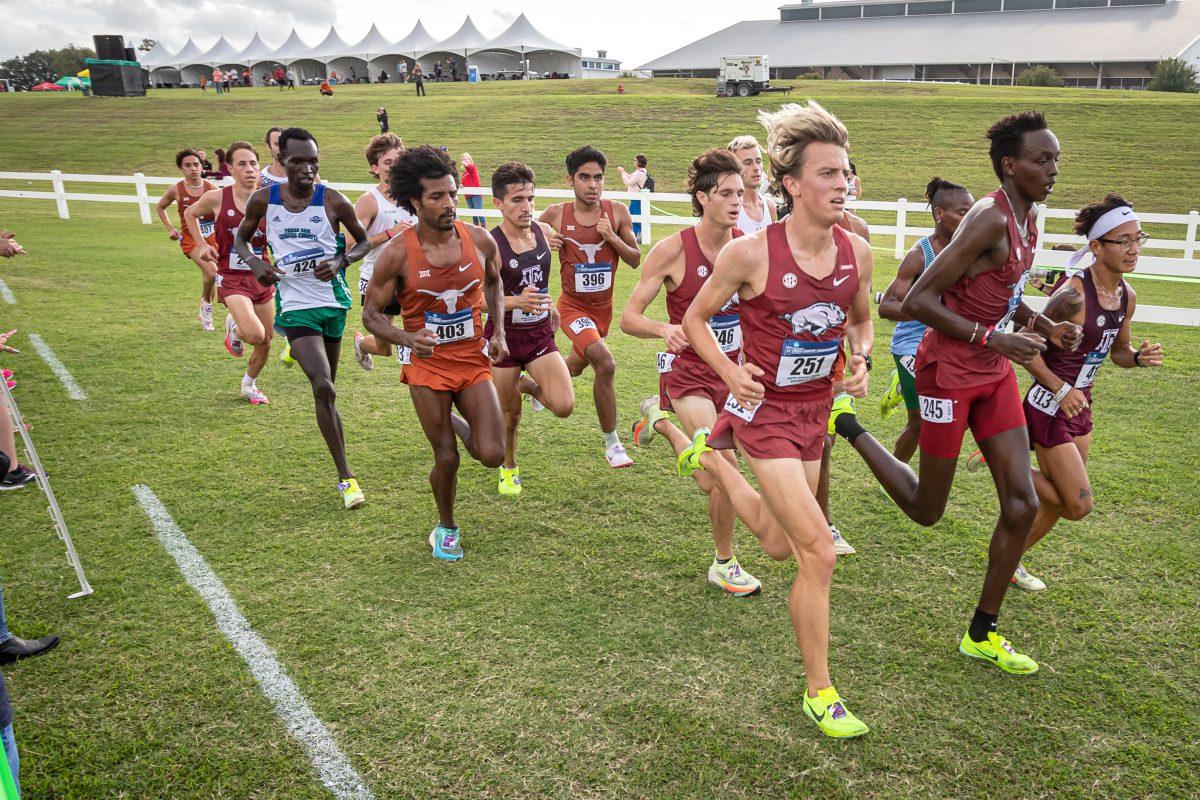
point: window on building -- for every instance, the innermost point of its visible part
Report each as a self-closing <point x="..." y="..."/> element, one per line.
<point x="1138" y="2"/>
<point x="884" y="10"/>
<point x="976" y="6"/>
<point x="841" y="12"/>
<point x="1027" y="5"/>
<point x="939" y="7"/>
<point x="799" y="14"/>
<point x="1080" y="3"/>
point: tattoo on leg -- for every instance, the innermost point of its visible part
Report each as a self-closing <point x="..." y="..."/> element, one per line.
<point x="1083" y="493"/>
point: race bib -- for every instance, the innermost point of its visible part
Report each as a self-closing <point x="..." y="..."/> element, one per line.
<point x="207" y="227"/>
<point x="936" y="409"/>
<point x="1014" y="302"/>
<point x="740" y="411"/>
<point x="404" y="354"/>
<point x="1042" y="399"/>
<point x="1091" y="365"/>
<point x="728" y="330"/>
<point x="580" y="325"/>
<point x="362" y="285"/>
<point x="451" y="327"/>
<point x="301" y="261"/>
<point x="595" y="277"/>
<point x="801" y="362"/>
<point x="665" y="362"/>
<point x="909" y="363"/>
<point x="522" y="317"/>
<point x="236" y="263"/>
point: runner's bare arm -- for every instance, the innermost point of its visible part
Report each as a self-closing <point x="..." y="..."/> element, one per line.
<point x="554" y="239"/>
<point x="622" y="239"/>
<point x="662" y="265"/>
<point x="208" y="205"/>
<point x="893" y="296"/>
<point x="1123" y="353"/>
<point x="161" y="207"/>
<point x="1064" y="334"/>
<point x="387" y="281"/>
<point x="552" y="216"/>
<point x="493" y="290"/>
<point x="365" y="208"/>
<point x="256" y="209"/>
<point x="860" y="332"/>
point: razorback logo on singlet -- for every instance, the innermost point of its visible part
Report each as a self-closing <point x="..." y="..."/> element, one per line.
<point x="816" y="318"/>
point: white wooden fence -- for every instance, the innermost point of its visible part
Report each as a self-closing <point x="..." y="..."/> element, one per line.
<point x="1182" y="268"/>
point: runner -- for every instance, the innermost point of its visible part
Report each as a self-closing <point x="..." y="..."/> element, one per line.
<point x="1058" y="407"/>
<point x="964" y="376"/>
<point x="186" y="192"/>
<point x="802" y="284"/>
<point x="596" y="233"/>
<point x="251" y="305"/>
<point x="383" y="220"/>
<point x="687" y="385"/>
<point x="302" y="222"/>
<point x="949" y="203"/>
<point x="442" y="273"/>
<point x="758" y="211"/>
<point x="524" y="247"/>
<point x="274" y="171"/>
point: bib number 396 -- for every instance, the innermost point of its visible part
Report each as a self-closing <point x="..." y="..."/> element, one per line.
<point x="595" y="277"/>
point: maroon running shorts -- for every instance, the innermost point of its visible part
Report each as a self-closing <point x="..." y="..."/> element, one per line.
<point x="247" y="286"/>
<point x="778" y="428"/>
<point x="946" y="414"/>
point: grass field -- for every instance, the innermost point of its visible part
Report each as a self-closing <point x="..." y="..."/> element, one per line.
<point x="577" y="651"/>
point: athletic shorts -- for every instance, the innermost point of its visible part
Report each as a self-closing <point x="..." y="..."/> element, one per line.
<point x="584" y="325"/>
<point x="188" y="244"/>
<point x="778" y="428"/>
<point x="392" y="309"/>
<point x="691" y="380"/>
<point x="525" y="344"/>
<point x="246" y="285"/>
<point x="450" y="368"/>
<point x="1051" y="431"/>
<point x="327" y="322"/>
<point x="908" y="380"/>
<point x="947" y="413"/>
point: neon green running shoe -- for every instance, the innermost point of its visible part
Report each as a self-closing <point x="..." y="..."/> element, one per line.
<point x="689" y="460"/>
<point x="285" y="357"/>
<point x="352" y="495"/>
<point x="842" y="404"/>
<point x="643" y="429"/>
<point x="832" y="716"/>
<point x="892" y="398"/>
<point x="996" y="650"/>
<point x="510" y="481"/>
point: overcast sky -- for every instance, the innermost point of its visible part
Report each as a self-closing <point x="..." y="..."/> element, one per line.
<point x="633" y="31"/>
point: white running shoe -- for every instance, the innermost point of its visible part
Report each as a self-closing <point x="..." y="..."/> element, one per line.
<point x="254" y="395"/>
<point x="617" y="457"/>
<point x="535" y="404"/>
<point x="840" y="546"/>
<point x="1030" y="583"/>
<point x="364" y="359"/>
<point x="732" y="578"/>
<point x="233" y="342"/>
<point x="206" y="316"/>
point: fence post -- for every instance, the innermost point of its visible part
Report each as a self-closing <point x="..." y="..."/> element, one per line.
<point x="1039" y="243"/>
<point x="139" y="181"/>
<point x="60" y="194"/>
<point x="901" y="225"/>
<point x="1189" y="247"/>
<point x="645" y="220"/>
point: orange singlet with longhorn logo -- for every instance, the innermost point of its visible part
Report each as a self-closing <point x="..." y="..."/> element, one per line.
<point x="589" y="265"/>
<point x="447" y="300"/>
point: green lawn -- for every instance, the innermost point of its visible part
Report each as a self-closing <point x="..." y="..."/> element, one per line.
<point x="577" y="651"/>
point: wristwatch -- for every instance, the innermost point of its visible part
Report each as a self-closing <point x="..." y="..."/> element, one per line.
<point x="866" y="357"/>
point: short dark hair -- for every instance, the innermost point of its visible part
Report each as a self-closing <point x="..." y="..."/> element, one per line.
<point x="239" y="145"/>
<point x="1006" y="135"/>
<point x="584" y="155"/>
<point x="415" y="163"/>
<point x="1088" y="215"/>
<point x="641" y="160"/>
<point x="184" y="153"/>
<point x="272" y="129"/>
<point x="853" y="169"/>
<point x="298" y="134"/>
<point x="936" y="190"/>
<point x="705" y="171"/>
<point x="510" y="173"/>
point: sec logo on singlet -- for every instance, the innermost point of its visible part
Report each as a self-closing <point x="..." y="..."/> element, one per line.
<point x="1100" y="320"/>
<point x="702" y="271"/>
<point x="230" y="212"/>
<point x="512" y="263"/>
<point x="789" y="280"/>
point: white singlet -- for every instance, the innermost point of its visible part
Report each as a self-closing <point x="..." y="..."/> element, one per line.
<point x="299" y="240"/>
<point x="270" y="180"/>
<point x="387" y="216"/>
<point x="746" y="224"/>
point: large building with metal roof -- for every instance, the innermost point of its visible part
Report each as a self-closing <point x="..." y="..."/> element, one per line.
<point x="1096" y="43"/>
<point x="519" y="49"/>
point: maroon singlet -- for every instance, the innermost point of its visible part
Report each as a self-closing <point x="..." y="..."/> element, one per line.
<point x="697" y="268"/>
<point x="229" y="219"/>
<point x="518" y="270"/>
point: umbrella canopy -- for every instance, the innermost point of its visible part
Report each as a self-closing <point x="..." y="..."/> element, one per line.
<point x="49" y="87"/>
<point x="84" y="73"/>
<point x="71" y="82"/>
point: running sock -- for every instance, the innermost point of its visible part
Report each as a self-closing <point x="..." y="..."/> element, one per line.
<point x="847" y="426"/>
<point x="982" y="624"/>
<point x="610" y="438"/>
<point x="247" y="382"/>
<point x="724" y="561"/>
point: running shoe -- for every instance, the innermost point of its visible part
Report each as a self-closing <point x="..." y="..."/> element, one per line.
<point x="352" y="496"/>
<point x="689" y="460"/>
<point x="364" y="359"/>
<point x="206" y="316"/>
<point x="446" y="543"/>
<point x="510" y="481"/>
<point x="11" y="384"/>
<point x="732" y="578"/>
<point x="643" y="429"/>
<point x="233" y="342"/>
<point x="976" y="461"/>
<point x="255" y="396"/>
<point x="840" y="546"/>
<point x="998" y="651"/>
<point x="535" y="404"/>
<point x="17" y="478"/>
<point x="842" y="404"/>
<point x="831" y="715"/>
<point x="6" y="374"/>
<point x="285" y="357"/>
<point x="892" y="398"/>
<point x="1026" y="581"/>
<point x="616" y="456"/>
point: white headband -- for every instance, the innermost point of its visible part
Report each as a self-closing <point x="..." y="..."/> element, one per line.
<point x="1109" y="220"/>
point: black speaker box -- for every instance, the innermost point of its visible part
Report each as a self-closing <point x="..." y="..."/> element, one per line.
<point x="110" y="48"/>
<point x="130" y="54"/>
<point x="110" y="80"/>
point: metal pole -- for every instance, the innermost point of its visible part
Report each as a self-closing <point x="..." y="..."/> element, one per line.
<point x="44" y="482"/>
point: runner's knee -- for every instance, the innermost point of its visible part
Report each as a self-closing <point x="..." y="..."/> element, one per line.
<point x="445" y="456"/>
<point x="603" y="365"/>
<point x="1078" y="507"/>
<point x="323" y="390"/>
<point x="1018" y="510"/>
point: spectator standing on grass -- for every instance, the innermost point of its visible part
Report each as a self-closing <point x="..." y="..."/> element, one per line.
<point x="437" y="71"/>
<point x="280" y="76"/>
<point x="247" y="78"/>
<point x="418" y="76"/>
<point x="291" y="78"/>
<point x="381" y="115"/>
<point x="218" y="80"/>
<point x="402" y="70"/>
<point x="470" y="177"/>
<point x="204" y="84"/>
<point x="854" y="185"/>
<point x="634" y="182"/>
<point x="454" y="72"/>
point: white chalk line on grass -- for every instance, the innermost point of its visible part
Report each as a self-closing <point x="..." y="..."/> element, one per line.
<point x="7" y="294"/>
<point x="74" y="391"/>
<point x="331" y="764"/>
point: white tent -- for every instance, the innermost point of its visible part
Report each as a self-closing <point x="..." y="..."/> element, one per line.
<point x="157" y="56"/>
<point x="189" y="54"/>
<point x="221" y="54"/>
<point x="523" y="40"/>
<point x="257" y="56"/>
<point x="381" y="53"/>
<point x="339" y="57"/>
<point x="296" y="54"/>
<point x="458" y="45"/>
<point x="417" y="40"/>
